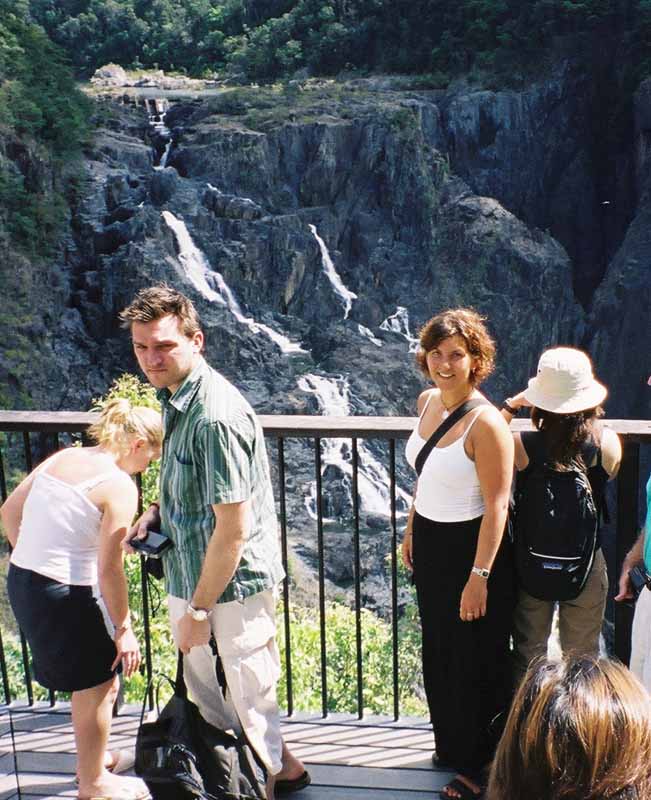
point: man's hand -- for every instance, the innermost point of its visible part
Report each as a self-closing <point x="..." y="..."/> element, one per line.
<point x="192" y="633"/>
<point x="149" y="520"/>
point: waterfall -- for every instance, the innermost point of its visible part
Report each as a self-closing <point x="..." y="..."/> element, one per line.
<point x="367" y="334"/>
<point x="399" y="323"/>
<point x="341" y="291"/>
<point x="165" y="156"/>
<point x="199" y="272"/>
<point x="157" y="110"/>
<point x="374" y="483"/>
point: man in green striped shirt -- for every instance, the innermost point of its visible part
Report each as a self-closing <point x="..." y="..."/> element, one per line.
<point x="217" y="506"/>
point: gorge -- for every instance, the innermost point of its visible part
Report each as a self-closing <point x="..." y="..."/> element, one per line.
<point x="318" y="224"/>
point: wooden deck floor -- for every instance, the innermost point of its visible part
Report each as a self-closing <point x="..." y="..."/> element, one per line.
<point x="348" y="759"/>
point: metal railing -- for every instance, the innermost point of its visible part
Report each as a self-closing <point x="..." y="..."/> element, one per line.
<point x="40" y="432"/>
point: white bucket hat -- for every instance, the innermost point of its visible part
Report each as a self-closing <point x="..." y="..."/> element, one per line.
<point x="565" y="383"/>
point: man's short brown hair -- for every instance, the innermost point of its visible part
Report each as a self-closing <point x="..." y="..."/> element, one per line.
<point x="155" y="302"/>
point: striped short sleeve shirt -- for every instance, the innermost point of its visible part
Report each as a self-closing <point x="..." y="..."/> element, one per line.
<point x="214" y="452"/>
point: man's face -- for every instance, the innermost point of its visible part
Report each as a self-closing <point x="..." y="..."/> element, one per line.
<point x="165" y="354"/>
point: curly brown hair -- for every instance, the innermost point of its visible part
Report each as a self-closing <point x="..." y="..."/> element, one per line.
<point x="468" y="324"/>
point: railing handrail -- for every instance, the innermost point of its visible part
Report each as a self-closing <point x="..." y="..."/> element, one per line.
<point x="47" y="425"/>
<point x="294" y="425"/>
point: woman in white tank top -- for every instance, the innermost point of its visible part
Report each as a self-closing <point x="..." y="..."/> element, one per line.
<point x="66" y="522"/>
<point x="454" y="544"/>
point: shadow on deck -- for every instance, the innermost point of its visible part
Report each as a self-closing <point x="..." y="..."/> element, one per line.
<point x="348" y="759"/>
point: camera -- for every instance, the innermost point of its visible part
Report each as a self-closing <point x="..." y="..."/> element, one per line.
<point x="153" y="545"/>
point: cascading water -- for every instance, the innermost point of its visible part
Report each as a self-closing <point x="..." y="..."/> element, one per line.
<point x="157" y="110"/>
<point x="399" y="323"/>
<point x="337" y="284"/>
<point x="368" y="334"/>
<point x="200" y="273"/>
<point x="333" y="397"/>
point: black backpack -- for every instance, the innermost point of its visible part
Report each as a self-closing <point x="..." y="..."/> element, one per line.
<point x="555" y="523"/>
<point x="180" y="756"/>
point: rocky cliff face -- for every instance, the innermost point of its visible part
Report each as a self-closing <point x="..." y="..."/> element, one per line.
<point x="317" y="228"/>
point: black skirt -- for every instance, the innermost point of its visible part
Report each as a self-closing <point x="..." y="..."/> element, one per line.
<point x="467" y="666"/>
<point x="65" y="629"/>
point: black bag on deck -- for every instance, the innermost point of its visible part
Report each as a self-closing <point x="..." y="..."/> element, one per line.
<point x="555" y="525"/>
<point x="180" y="755"/>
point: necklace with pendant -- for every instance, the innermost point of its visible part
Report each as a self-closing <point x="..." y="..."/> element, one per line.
<point x="447" y="411"/>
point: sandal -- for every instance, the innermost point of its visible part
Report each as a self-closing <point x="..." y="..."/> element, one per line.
<point x="463" y="791"/>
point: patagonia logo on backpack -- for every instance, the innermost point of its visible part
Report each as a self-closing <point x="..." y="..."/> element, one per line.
<point x="555" y="530"/>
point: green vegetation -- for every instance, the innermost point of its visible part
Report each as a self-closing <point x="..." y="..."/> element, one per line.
<point x="305" y="637"/>
<point x="267" y="40"/>
<point x="42" y="127"/>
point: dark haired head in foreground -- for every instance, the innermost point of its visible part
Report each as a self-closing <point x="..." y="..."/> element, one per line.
<point x="579" y="729"/>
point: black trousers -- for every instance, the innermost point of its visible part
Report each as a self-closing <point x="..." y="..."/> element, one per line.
<point x="467" y="667"/>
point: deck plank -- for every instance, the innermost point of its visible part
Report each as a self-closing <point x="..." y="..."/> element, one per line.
<point x="348" y="759"/>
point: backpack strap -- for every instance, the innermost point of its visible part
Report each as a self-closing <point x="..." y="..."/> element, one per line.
<point x="443" y="428"/>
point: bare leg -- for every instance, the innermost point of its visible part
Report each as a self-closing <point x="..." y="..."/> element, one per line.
<point x="91" y="718"/>
<point x="92" y="711"/>
<point x="292" y="766"/>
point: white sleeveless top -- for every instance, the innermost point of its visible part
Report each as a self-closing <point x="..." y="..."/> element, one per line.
<point x="59" y="531"/>
<point x="448" y="487"/>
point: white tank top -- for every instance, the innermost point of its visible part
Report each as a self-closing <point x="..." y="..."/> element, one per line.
<point x="448" y="487"/>
<point x="59" y="531"/>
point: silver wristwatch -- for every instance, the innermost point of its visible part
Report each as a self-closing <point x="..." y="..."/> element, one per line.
<point x="197" y="614"/>
<point x="483" y="573"/>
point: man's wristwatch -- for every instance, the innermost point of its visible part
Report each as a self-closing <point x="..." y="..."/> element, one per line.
<point x="483" y="573"/>
<point x="197" y="614"/>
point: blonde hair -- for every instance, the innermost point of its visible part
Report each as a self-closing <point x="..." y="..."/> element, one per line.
<point x="120" y="422"/>
<point x="579" y="729"/>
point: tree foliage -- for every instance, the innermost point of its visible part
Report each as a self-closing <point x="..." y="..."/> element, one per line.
<point x="43" y="122"/>
<point x="272" y="38"/>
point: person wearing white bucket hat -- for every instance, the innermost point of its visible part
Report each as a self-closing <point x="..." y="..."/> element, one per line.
<point x="565" y="400"/>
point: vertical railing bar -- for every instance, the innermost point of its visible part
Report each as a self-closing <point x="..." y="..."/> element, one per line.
<point x="26" y="670"/>
<point x="28" y="451"/>
<point x="5" y="674"/>
<point x="627" y="522"/>
<point x="322" y="609"/>
<point x="3" y="661"/>
<point x="283" y="541"/>
<point x="3" y="479"/>
<point x="23" y="644"/>
<point x="358" y="584"/>
<point x="394" y="581"/>
<point x="56" y="443"/>
<point x="144" y="589"/>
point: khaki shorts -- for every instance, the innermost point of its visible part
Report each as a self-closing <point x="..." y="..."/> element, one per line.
<point x="246" y="639"/>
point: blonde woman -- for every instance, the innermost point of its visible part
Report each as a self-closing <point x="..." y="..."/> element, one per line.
<point x="66" y="522"/>
<point x="579" y="729"/>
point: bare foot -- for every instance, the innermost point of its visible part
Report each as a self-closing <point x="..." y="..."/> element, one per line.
<point x="109" y="785"/>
